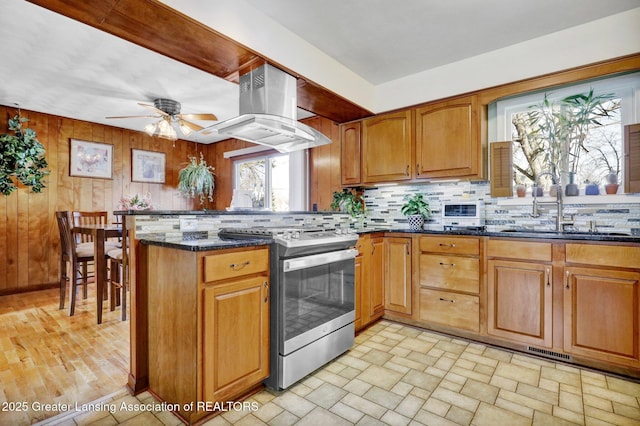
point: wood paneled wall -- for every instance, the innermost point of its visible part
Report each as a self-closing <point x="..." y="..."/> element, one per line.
<point x="29" y="239"/>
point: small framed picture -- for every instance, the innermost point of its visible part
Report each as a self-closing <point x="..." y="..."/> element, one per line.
<point x="91" y="159"/>
<point x="147" y="166"/>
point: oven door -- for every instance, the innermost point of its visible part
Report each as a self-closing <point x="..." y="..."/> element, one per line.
<point x="318" y="297"/>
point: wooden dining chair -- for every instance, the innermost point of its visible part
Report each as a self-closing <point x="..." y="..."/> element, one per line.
<point x="86" y="240"/>
<point x="118" y="281"/>
<point x="73" y="260"/>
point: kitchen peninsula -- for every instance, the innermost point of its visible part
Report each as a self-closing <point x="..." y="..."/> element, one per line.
<point x="570" y="296"/>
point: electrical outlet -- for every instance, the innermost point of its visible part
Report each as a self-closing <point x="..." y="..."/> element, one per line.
<point x="187" y="225"/>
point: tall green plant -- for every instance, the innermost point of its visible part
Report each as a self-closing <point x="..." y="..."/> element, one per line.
<point x="22" y="158"/>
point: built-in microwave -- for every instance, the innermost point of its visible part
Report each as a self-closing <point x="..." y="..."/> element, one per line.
<point x="463" y="214"/>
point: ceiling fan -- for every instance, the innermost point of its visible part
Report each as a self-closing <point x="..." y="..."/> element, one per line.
<point x="168" y="111"/>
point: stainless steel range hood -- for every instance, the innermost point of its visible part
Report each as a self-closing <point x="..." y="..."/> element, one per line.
<point x="268" y="105"/>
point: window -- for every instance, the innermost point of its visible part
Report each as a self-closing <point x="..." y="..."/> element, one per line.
<point x="268" y="180"/>
<point x="574" y="132"/>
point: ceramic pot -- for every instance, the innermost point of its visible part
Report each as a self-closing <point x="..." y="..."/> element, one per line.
<point x="611" y="188"/>
<point x="553" y="190"/>
<point x="416" y="222"/>
<point x="571" y="190"/>
<point x="521" y="190"/>
<point x="537" y="190"/>
<point x="592" y="189"/>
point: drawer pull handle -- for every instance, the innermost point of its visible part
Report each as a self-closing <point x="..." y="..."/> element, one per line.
<point x="447" y="300"/>
<point x="567" y="274"/>
<point x="238" y="266"/>
<point x="447" y="245"/>
<point x="407" y="171"/>
<point x="447" y="264"/>
<point x="418" y="169"/>
<point x="266" y="287"/>
<point x="548" y="282"/>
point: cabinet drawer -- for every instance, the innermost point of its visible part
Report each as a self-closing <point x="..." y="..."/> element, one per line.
<point x="450" y="309"/>
<point x="450" y="245"/>
<point x="450" y="272"/>
<point x="230" y="265"/>
<point x="510" y="249"/>
<point x="604" y="255"/>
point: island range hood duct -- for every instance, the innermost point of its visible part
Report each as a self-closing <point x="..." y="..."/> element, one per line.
<point x="268" y="105"/>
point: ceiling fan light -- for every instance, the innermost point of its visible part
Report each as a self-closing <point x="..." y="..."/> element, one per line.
<point x="150" y="128"/>
<point x="185" y="129"/>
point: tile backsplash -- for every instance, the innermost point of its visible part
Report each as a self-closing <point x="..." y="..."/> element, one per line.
<point x="383" y="205"/>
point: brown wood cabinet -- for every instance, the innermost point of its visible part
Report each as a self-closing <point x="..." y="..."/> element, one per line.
<point x="208" y="323"/>
<point x="350" y="158"/>
<point x="602" y="304"/>
<point x="387" y="147"/>
<point x="520" y="291"/>
<point x="397" y="280"/>
<point x="449" y="280"/>
<point x="448" y="142"/>
<point x="369" y="279"/>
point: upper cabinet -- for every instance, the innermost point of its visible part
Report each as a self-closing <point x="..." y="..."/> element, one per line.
<point x="387" y="147"/>
<point x="350" y="154"/>
<point x="448" y="139"/>
<point x="438" y="140"/>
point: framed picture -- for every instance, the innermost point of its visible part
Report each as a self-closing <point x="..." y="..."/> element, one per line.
<point x="91" y="159"/>
<point x="147" y="166"/>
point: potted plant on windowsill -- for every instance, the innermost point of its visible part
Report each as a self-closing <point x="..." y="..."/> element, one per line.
<point x="197" y="180"/>
<point x="416" y="208"/>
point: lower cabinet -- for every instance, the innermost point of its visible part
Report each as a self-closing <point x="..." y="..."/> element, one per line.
<point x="602" y="314"/>
<point x="519" y="304"/>
<point x="235" y="337"/>
<point x="397" y="276"/>
<point x="369" y="275"/>
<point x="208" y="322"/>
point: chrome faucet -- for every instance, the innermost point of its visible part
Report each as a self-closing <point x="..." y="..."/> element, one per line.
<point x="560" y="223"/>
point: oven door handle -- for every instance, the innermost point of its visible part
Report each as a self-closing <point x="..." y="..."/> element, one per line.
<point x="318" y="259"/>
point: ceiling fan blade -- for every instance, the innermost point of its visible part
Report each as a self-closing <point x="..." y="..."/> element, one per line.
<point x="151" y="107"/>
<point x="206" y="117"/>
<point x="136" y="116"/>
<point x="192" y="126"/>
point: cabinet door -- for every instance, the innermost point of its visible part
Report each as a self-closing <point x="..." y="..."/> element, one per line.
<point x="519" y="302"/>
<point x="448" y="139"/>
<point x="350" y="153"/>
<point x="398" y="274"/>
<point x="235" y="337"/>
<point x="376" y="278"/>
<point x="387" y="147"/>
<point x="601" y="314"/>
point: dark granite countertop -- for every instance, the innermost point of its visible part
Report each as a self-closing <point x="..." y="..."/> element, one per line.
<point x="207" y="244"/>
<point x="520" y="233"/>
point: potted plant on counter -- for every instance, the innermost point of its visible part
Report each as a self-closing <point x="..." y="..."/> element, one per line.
<point x="416" y="208"/>
<point x="347" y="201"/>
<point x="196" y="179"/>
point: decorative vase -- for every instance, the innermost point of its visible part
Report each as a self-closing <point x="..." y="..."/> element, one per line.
<point x="521" y="190"/>
<point x="592" y="189"/>
<point x="416" y="222"/>
<point x="611" y="188"/>
<point x="554" y="189"/>
<point x="537" y="191"/>
<point x="571" y="189"/>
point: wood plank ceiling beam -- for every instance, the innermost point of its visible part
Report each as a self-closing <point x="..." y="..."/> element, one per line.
<point x="157" y="27"/>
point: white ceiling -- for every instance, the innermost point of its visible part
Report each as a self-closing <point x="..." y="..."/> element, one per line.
<point x="56" y="65"/>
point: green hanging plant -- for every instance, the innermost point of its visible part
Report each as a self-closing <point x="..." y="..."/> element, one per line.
<point x="197" y="179"/>
<point x="21" y="158"/>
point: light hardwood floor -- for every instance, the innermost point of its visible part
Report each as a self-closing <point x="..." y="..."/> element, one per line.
<point x="47" y="357"/>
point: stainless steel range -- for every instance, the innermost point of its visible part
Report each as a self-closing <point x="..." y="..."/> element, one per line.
<point x="312" y="298"/>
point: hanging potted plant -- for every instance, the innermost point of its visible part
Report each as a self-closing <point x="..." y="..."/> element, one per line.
<point x="347" y="201"/>
<point x="416" y="208"/>
<point x="21" y="158"/>
<point x="196" y="179"/>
